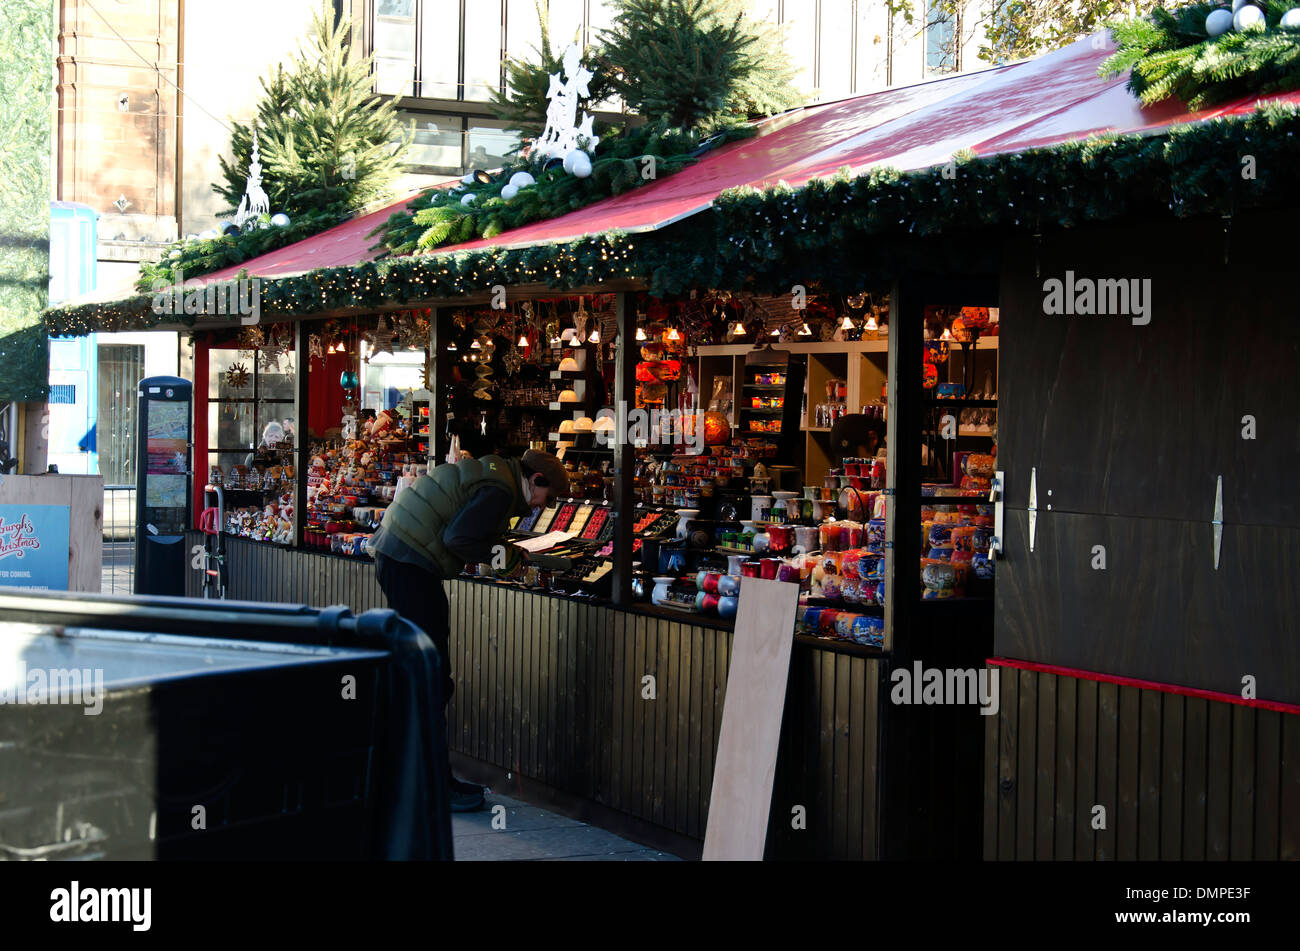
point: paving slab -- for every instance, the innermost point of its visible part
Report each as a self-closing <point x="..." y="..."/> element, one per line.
<point x="532" y="833"/>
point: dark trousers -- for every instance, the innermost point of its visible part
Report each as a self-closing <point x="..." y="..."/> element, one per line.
<point x="417" y="595"/>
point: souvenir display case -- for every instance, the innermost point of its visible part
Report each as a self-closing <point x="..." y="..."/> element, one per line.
<point x="252" y="431"/>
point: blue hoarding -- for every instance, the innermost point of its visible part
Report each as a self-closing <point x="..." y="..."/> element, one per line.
<point x="34" y="547"/>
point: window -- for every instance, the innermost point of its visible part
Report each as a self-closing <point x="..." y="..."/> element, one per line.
<point x="437" y="143"/>
<point x="488" y="142"/>
<point x="394" y="47"/>
<point x="241" y="405"/>
<point x="940" y="39"/>
<point x="440" y="51"/>
<point x="121" y="367"/>
<point x="482" y="50"/>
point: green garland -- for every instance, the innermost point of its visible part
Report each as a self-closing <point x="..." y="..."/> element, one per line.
<point x="1170" y="54"/>
<point x="831" y="229"/>
<point x="626" y="159"/>
<point x="196" y="258"/>
<point x="839" y="233"/>
<point x="421" y="278"/>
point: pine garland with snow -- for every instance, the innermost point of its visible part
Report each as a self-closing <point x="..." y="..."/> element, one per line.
<point x="1170" y="54"/>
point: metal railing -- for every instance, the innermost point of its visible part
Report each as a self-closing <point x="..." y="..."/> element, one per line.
<point x="119" y="539"/>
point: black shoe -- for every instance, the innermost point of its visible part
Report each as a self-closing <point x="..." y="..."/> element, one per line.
<point x="465" y="797"/>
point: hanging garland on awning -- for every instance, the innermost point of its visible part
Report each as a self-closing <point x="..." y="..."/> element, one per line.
<point x="837" y="232"/>
<point x="1209" y="53"/>
<point x="1191" y="170"/>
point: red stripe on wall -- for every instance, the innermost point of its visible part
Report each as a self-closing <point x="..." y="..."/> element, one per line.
<point x="1144" y="684"/>
<point x="202" y="343"/>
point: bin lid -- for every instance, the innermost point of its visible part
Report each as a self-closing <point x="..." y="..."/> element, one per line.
<point x="44" y="661"/>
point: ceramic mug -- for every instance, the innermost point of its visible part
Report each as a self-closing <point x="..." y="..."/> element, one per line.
<point x="805" y="537"/>
<point x="780" y="537"/>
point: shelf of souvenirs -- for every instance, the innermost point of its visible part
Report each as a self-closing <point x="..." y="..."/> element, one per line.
<point x="351" y="482"/>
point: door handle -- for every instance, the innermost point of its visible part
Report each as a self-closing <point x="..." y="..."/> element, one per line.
<point x="997" y="492"/>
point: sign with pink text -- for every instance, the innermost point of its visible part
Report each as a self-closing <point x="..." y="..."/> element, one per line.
<point x="34" y="547"/>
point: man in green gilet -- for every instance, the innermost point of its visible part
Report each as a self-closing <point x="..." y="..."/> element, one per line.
<point x="454" y="516"/>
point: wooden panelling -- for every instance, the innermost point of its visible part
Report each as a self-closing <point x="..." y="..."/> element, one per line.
<point x="1139" y="420"/>
<point x="1160" y="611"/>
<point x="551" y="690"/>
<point x="1178" y="777"/>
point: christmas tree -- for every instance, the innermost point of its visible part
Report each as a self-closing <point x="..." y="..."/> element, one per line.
<point x="698" y="65"/>
<point x="327" y="143"/>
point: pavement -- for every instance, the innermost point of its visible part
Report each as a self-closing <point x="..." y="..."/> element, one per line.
<point x="118" y="575"/>
<point x="508" y="830"/>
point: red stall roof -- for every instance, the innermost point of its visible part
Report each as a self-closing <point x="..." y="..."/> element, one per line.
<point x="1040" y="102"/>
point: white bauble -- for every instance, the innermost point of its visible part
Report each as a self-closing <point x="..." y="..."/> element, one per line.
<point x="580" y="164"/>
<point x="1291" y="19"/>
<point x="468" y="199"/>
<point x="191" y="238"/>
<point x="510" y="191"/>
<point x="175" y="254"/>
<point x="1218" y="22"/>
<point x="280" y="220"/>
<point x="570" y="157"/>
<point x="1238" y="4"/>
<point x="1248" y="18"/>
<point x="522" y="180"/>
<point x="467" y="179"/>
<point x="210" y="234"/>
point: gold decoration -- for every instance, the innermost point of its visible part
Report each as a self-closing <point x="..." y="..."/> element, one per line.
<point x="237" y="376"/>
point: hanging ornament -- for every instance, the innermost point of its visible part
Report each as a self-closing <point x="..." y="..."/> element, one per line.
<point x="929" y="375"/>
<point x="348" y="379"/>
<point x="315" y="348"/>
<point x="383" y="338"/>
<point x="237" y="376"/>
<point x="252" y="338"/>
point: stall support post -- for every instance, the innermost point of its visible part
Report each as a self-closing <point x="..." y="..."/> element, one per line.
<point x="301" y="443"/>
<point x="625" y="358"/>
<point x="439" y="337"/>
<point x="903" y="476"/>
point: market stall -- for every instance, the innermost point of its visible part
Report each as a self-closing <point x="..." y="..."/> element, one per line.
<point x="746" y="457"/>
<point x="719" y="466"/>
